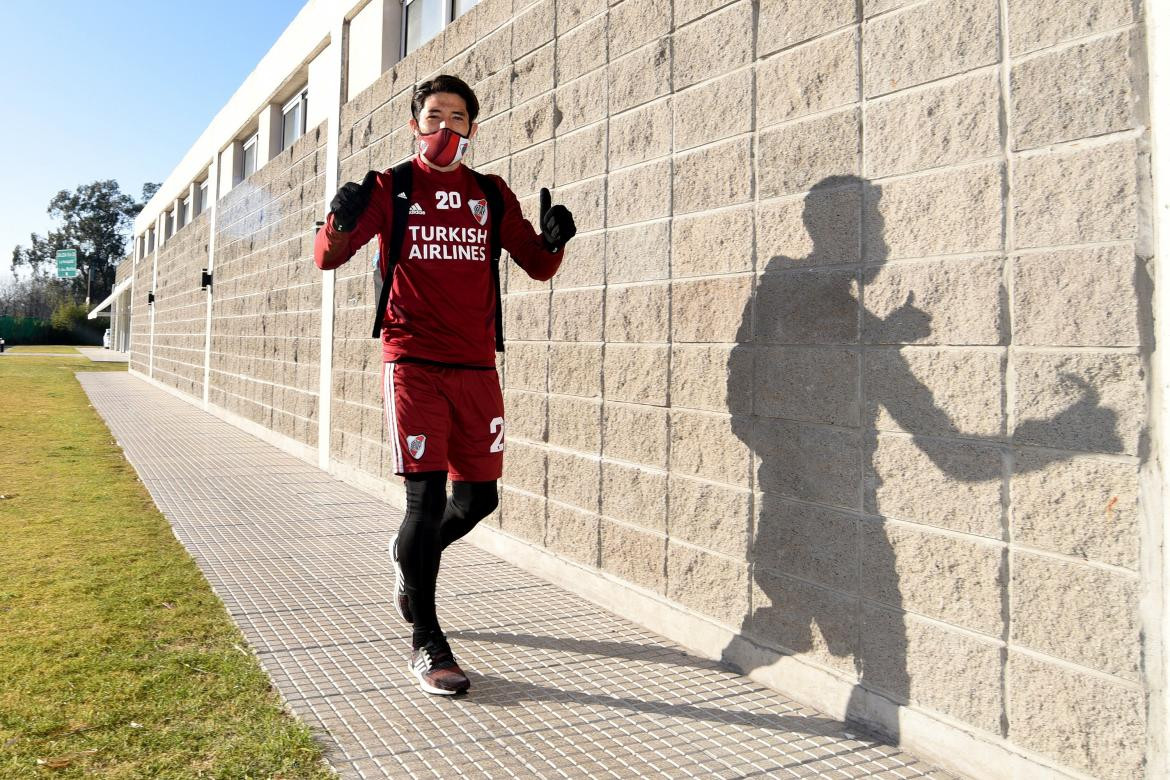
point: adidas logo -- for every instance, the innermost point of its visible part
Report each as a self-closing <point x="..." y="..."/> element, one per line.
<point x="416" y="209"/>
<point x="402" y="195"/>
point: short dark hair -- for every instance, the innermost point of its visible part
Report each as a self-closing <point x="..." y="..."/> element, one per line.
<point x="444" y="83"/>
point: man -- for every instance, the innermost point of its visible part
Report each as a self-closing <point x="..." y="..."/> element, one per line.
<point x="440" y="325"/>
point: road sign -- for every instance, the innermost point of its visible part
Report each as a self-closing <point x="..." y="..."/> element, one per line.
<point x="66" y="263"/>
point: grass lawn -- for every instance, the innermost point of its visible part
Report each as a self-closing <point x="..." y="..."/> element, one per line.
<point x="116" y="659"/>
<point x="55" y="349"/>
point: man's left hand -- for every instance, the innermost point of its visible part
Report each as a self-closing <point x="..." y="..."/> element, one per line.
<point x="556" y="222"/>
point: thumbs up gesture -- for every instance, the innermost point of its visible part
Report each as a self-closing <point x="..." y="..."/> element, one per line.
<point x="350" y="201"/>
<point x="556" y="222"/>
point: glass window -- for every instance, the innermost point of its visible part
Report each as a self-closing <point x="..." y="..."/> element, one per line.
<point x="185" y="215"/>
<point x="424" y="20"/>
<point x="460" y="7"/>
<point x="150" y="240"/>
<point x="250" y="155"/>
<point x="201" y="203"/>
<point x="294" y="119"/>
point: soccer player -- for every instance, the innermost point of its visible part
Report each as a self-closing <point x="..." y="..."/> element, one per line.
<point x="440" y="329"/>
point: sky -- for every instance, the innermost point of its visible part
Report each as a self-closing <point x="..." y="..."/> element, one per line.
<point x="114" y="90"/>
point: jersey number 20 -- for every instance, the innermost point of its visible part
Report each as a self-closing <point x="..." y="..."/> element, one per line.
<point x="448" y="200"/>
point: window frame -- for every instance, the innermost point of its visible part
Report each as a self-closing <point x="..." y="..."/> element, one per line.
<point x="301" y="102"/>
<point x="201" y="197"/>
<point x="252" y="143"/>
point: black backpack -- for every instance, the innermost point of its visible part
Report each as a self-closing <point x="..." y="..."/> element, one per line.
<point x="402" y="196"/>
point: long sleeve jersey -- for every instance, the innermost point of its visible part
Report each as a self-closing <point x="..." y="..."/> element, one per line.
<point x="442" y="299"/>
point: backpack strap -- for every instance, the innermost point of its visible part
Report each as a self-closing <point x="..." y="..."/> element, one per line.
<point x="496" y="214"/>
<point x="400" y="194"/>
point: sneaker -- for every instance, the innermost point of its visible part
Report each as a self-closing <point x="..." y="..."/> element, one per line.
<point x="401" y="600"/>
<point x="434" y="666"/>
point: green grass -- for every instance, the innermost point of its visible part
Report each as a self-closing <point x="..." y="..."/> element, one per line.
<point x="116" y="659"/>
<point x="55" y="349"/>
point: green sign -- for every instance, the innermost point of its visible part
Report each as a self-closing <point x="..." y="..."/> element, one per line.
<point x="66" y="263"/>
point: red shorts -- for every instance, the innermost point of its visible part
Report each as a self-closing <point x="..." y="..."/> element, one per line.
<point x="444" y="419"/>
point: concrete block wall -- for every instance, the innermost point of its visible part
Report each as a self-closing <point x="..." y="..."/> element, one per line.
<point x="140" y="312"/>
<point x="180" y="308"/>
<point x="266" y="308"/>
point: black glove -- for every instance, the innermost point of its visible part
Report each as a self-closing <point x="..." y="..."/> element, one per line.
<point x="350" y="201"/>
<point x="556" y="222"/>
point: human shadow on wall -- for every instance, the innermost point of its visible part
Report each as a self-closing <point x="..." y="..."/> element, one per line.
<point x="814" y="377"/>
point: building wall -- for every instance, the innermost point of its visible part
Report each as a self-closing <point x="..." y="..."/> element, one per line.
<point x="140" y="322"/>
<point x="266" y="308"/>
<point x="180" y="308"/>
<point x="850" y="355"/>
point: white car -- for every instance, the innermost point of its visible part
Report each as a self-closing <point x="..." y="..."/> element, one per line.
<point x="106" y="339"/>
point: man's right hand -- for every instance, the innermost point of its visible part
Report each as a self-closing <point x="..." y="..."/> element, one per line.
<point x="350" y="201"/>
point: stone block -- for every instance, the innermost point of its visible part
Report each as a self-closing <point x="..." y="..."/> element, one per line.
<point x="1039" y="23"/>
<point x="796" y="156"/>
<point x="532" y="169"/>
<point x="810" y="384"/>
<point x="700" y="113"/>
<point x="714" y="46"/>
<point x="713" y="243"/>
<point x="640" y="76"/>
<point x="571" y="13"/>
<point x="812" y="463"/>
<point x="495" y="92"/>
<point x="1092" y="402"/>
<point x="635" y="433"/>
<point x="533" y="28"/>
<point x="581" y="50"/>
<point x="710" y="584"/>
<point x="715" y="377"/>
<point x="711" y="309"/>
<point x="637" y="312"/>
<point x="956" y="302"/>
<point x="526" y="316"/>
<point x="637" y="373"/>
<point x="533" y="75"/>
<point x="928" y="41"/>
<point x="1077" y="298"/>
<point x="573" y="479"/>
<point x="639" y="253"/>
<point x="526" y="415"/>
<point x="812" y="622"/>
<point x="785" y="23"/>
<point x="947" y="212"/>
<point x="820" y="228"/>
<point x="639" y="135"/>
<point x="812" y="543"/>
<point x="524" y="467"/>
<point x="1081" y="720"/>
<point x="1076" y="92"/>
<point x="639" y="193"/>
<point x="807" y="80"/>
<point x="575" y="423"/>
<point x="586" y="199"/>
<point x="526" y="366"/>
<point x="634" y="555"/>
<point x="1076" y="197"/>
<point x="532" y="122"/>
<point x="575" y="369"/>
<point x="634" y="495"/>
<point x="713" y="176"/>
<point x="689" y="10"/>
<point x="933" y="127"/>
<point x="490" y="15"/>
<point x="583" y="263"/>
<point x="952" y="672"/>
<point x="956" y="580"/>
<point x="515" y="280"/>
<point x="706" y="445"/>
<point x="576" y="315"/>
<point x="1080" y="613"/>
<point x="634" y="23"/>
<point x="581" y="102"/>
<point x="939" y="482"/>
<point x="936" y="391"/>
<point x="581" y="154"/>
<point x="573" y="533"/>
<point x="805" y="307"/>
<point x="1083" y="508"/>
<point x="710" y="515"/>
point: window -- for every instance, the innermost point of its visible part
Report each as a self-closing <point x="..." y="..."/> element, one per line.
<point x="201" y="203"/>
<point x="460" y="7"/>
<point x="250" y="155"/>
<point x="294" y="119"/>
<point x="185" y="213"/>
<point x="423" y="21"/>
<point x="169" y="231"/>
<point x="150" y="240"/>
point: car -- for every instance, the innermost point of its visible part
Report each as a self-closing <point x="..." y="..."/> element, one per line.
<point x="106" y="339"/>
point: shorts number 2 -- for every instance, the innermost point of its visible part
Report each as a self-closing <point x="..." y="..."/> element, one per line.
<point x="497" y="425"/>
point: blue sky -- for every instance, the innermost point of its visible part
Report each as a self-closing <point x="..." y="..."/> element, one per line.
<point x="114" y="90"/>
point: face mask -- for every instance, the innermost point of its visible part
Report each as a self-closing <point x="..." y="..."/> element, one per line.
<point x="443" y="147"/>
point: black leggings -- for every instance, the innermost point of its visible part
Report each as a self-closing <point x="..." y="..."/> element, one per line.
<point x="431" y="524"/>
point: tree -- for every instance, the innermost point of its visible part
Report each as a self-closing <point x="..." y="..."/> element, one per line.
<point x="95" y="219"/>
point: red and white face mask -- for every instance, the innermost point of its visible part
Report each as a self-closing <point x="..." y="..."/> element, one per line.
<point x="443" y="147"/>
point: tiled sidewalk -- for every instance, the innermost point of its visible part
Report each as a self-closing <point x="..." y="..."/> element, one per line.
<point x="559" y="687"/>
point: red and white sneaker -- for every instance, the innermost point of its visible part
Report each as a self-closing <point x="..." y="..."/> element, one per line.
<point x="401" y="600"/>
<point x="434" y="666"/>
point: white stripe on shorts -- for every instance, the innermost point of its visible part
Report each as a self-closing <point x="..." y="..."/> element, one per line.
<point x="391" y="414"/>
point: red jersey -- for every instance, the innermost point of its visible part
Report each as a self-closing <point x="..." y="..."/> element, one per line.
<point x="442" y="299"/>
